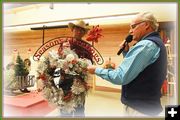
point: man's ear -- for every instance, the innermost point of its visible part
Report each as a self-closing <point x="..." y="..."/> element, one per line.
<point x="147" y="25"/>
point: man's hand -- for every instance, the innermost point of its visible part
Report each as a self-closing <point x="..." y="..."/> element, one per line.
<point x="126" y="49"/>
<point x="126" y="45"/>
<point x="109" y="65"/>
<point x="91" y="69"/>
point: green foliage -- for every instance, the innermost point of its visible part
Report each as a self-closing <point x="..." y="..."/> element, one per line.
<point x="20" y="69"/>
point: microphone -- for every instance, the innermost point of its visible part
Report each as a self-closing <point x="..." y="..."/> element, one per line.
<point x="128" y="39"/>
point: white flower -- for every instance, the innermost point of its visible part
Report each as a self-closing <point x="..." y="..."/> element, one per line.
<point x="51" y="95"/>
<point x="54" y="54"/>
<point x="67" y="71"/>
<point x="70" y="57"/>
<point x="79" y="100"/>
<point x="42" y="59"/>
<point x="72" y="73"/>
<point x="77" y="88"/>
<point x="68" y="107"/>
<point x="83" y="63"/>
<point x="60" y="91"/>
<point x="55" y="99"/>
<point x="60" y="102"/>
<point x="60" y="63"/>
<point x="47" y="93"/>
<point x="68" y="51"/>
<point x="41" y="67"/>
<point x="70" y="65"/>
<point x="56" y="94"/>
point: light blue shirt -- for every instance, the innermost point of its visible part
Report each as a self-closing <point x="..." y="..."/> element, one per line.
<point x="144" y="53"/>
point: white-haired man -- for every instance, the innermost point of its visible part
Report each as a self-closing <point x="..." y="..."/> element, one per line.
<point x="142" y="70"/>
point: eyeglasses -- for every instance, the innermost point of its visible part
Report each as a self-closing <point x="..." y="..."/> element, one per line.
<point x="134" y="25"/>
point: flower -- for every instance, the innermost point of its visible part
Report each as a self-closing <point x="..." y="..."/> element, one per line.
<point x="74" y="61"/>
<point x="42" y="77"/>
<point x="64" y="79"/>
<point x="94" y="34"/>
<point x="77" y="88"/>
<point x="68" y="97"/>
<point x="70" y="57"/>
<point x="68" y="107"/>
<point x="54" y="54"/>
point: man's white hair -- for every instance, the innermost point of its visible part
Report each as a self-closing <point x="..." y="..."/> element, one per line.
<point x="147" y="16"/>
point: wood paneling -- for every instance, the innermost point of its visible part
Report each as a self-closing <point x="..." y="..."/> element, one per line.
<point x="22" y="40"/>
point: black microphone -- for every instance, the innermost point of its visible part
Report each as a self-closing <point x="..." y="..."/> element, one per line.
<point x="128" y="39"/>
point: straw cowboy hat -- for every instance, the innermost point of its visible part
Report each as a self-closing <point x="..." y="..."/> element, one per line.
<point x="79" y="23"/>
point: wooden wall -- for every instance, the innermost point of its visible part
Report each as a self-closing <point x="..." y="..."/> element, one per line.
<point x="108" y="45"/>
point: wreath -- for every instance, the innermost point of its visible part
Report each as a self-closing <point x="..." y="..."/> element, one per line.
<point x="64" y="79"/>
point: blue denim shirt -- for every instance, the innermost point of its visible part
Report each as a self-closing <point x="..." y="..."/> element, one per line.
<point x="141" y="55"/>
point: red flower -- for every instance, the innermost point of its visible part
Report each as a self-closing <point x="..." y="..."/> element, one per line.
<point x="86" y="86"/>
<point x="94" y="34"/>
<point x="42" y="77"/>
<point x="68" y="97"/>
<point x="74" y="61"/>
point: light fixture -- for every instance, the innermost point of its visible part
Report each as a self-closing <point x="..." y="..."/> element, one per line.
<point x="51" y="6"/>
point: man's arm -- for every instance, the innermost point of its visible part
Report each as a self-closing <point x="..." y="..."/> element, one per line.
<point x="136" y="60"/>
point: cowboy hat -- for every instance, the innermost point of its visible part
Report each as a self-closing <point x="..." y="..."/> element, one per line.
<point x="79" y="23"/>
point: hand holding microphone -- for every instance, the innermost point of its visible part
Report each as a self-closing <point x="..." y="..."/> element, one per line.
<point x="125" y="44"/>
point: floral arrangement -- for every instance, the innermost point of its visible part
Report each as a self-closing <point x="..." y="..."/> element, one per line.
<point x="64" y="79"/>
<point x="94" y="34"/>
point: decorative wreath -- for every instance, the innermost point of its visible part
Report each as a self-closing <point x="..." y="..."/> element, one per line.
<point x="64" y="79"/>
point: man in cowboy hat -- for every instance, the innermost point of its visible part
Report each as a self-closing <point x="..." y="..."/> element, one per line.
<point x="79" y="29"/>
<point x="80" y="24"/>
